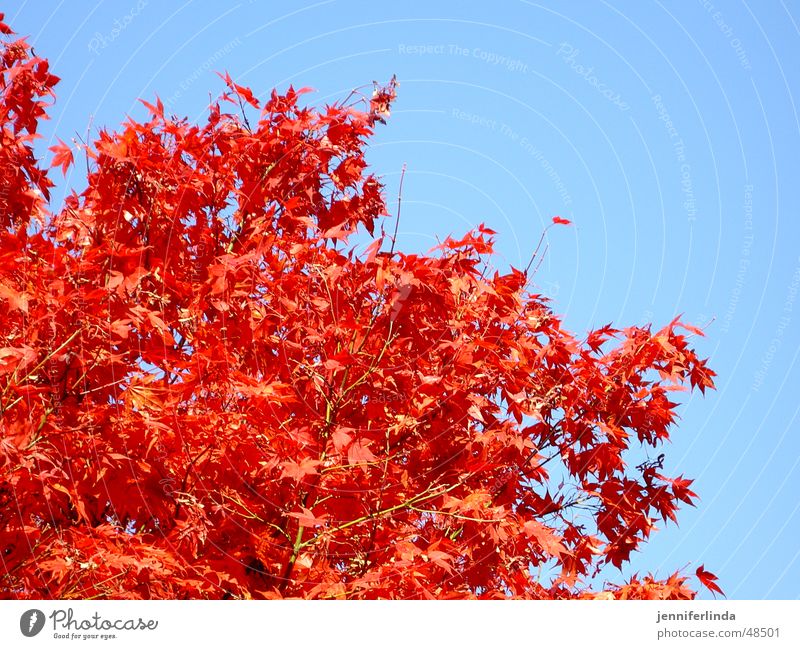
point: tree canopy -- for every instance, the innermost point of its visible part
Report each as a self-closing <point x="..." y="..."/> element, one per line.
<point x="207" y="391"/>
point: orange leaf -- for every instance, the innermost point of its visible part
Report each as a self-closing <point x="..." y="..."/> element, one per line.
<point x="549" y="542"/>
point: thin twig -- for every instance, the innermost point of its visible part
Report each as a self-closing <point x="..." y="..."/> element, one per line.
<point x="244" y="115"/>
<point x="536" y="251"/>
<point x="399" y="203"/>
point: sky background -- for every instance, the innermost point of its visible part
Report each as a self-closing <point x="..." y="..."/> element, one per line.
<point x="667" y="132"/>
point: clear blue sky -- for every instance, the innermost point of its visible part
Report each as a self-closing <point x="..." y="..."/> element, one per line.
<point x="668" y="132"/>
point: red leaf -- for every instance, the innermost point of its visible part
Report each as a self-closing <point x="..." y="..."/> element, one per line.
<point x="306" y="518"/>
<point x="545" y="537"/>
<point x="441" y="559"/>
<point x="15" y="299"/>
<point x="708" y="580"/>
<point x="63" y="156"/>
<point x="341" y="438"/>
<point x="299" y="470"/>
<point x="359" y="454"/>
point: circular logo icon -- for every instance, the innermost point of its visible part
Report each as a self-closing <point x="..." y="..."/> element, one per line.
<point x="31" y="622"/>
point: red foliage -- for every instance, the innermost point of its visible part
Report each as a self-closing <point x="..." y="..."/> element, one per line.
<point x="203" y="394"/>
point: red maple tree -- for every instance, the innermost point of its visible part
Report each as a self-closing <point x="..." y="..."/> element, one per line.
<point x="206" y="392"/>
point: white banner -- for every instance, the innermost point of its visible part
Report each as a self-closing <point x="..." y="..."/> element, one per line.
<point x="380" y="624"/>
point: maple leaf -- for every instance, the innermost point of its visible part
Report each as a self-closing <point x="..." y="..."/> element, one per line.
<point x="358" y="454"/>
<point x="341" y="437"/>
<point x="306" y="518"/>
<point x="142" y="397"/>
<point x="441" y="559"/>
<point x="16" y="299"/>
<point x="63" y="156"/>
<point x="680" y="487"/>
<point x="545" y="537"/>
<point x="708" y="580"/>
<point x="299" y="470"/>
